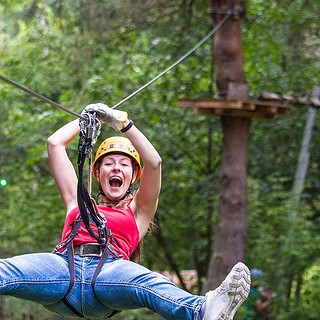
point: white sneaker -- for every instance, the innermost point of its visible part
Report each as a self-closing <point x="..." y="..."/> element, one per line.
<point x="223" y="302"/>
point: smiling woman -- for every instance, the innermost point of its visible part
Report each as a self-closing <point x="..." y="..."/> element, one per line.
<point x="93" y="272"/>
<point x="115" y="153"/>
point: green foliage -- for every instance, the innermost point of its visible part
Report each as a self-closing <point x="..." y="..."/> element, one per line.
<point x="79" y="52"/>
<point x="310" y="291"/>
<point x="281" y="43"/>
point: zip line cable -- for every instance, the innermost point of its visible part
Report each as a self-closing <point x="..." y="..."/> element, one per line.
<point x="221" y="22"/>
<point x="39" y="96"/>
<point x="59" y="106"/>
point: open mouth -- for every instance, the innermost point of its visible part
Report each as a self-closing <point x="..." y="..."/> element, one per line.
<point x="115" y="182"/>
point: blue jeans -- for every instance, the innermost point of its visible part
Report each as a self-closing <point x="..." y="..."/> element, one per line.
<point x="44" y="278"/>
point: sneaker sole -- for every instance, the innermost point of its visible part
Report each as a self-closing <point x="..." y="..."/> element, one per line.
<point x="239" y="291"/>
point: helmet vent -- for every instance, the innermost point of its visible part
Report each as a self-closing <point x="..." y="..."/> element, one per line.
<point x="118" y="146"/>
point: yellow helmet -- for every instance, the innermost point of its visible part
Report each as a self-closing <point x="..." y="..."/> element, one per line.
<point x="117" y="145"/>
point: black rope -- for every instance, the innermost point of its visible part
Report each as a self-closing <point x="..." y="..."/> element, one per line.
<point x="84" y="200"/>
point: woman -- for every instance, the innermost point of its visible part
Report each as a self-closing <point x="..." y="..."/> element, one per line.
<point x="100" y="289"/>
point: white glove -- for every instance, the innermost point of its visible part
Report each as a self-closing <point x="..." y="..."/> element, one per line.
<point x="114" y="118"/>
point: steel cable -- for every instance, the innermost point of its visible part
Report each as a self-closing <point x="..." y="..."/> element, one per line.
<point x="213" y="31"/>
<point x="59" y="106"/>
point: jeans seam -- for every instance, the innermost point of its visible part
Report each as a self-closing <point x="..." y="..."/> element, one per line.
<point x="139" y="286"/>
<point x="40" y="281"/>
<point x="83" y="286"/>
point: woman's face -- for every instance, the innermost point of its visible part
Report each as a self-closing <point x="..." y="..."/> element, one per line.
<point x="115" y="175"/>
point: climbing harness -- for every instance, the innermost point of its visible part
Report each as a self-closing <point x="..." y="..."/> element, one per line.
<point x="89" y="215"/>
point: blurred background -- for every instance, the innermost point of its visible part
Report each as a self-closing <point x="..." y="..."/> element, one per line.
<point x="80" y="52"/>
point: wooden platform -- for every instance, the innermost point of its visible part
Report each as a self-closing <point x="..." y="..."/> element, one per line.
<point x="232" y="108"/>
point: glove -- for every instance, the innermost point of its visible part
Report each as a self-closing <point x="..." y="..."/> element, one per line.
<point x="114" y="118"/>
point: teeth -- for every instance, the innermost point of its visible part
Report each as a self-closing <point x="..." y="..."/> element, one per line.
<point x="115" y="182"/>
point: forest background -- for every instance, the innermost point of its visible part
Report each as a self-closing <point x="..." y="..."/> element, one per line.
<point x="80" y="52"/>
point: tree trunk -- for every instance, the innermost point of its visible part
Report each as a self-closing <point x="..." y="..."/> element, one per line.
<point x="231" y="231"/>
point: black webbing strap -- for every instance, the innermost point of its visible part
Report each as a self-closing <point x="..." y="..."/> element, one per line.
<point x="76" y="225"/>
<point x="68" y="243"/>
<point x="89" y="214"/>
<point x="102" y="260"/>
<point x="70" y="253"/>
<point x="69" y="306"/>
<point x="104" y="257"/>
<point x="86" y="207"/>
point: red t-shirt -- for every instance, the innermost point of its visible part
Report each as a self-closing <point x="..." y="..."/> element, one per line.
<point x="120" y="221"/>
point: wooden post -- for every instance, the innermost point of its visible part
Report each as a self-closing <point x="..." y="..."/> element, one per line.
<point x="231" y="231"/>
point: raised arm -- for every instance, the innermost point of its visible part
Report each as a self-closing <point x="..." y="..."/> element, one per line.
<point x="61" y="166"/>
<point x="145" y="201"/>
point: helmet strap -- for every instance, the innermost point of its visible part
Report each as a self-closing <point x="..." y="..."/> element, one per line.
<point x="134" y="165"/>
<point x="129" y="191"/>
<point x="101" y="193"/>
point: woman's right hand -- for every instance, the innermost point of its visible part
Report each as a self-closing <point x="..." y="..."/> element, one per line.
<point x="114" y="118"/>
